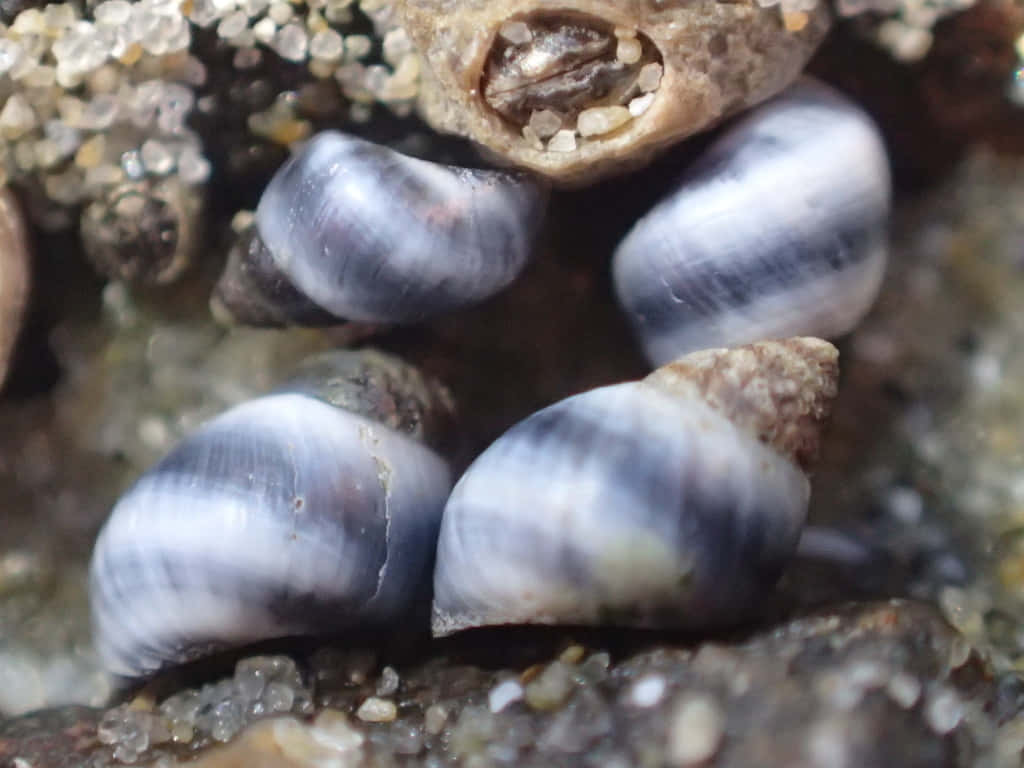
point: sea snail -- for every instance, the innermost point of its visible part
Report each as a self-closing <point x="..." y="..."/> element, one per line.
<point x="778" y="229"/>
<point x="578" y="89"/>
<point x="286" y="515"/>
<point x="351" y="230"/>
<point x="672" y="501"/>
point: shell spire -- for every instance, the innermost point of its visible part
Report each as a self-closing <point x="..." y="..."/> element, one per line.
<point x="779" y="391"/>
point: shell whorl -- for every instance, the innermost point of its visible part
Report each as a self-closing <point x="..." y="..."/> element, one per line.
<point x="15" y="275"/>
<point x="779" y="229"/>
<point x="673" y="501"/>
<point x="351" y="230"/>
<point x="283" y="516"/>
<point x="779" y="391"/>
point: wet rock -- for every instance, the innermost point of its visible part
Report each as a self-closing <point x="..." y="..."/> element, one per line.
<point x="56" y="738"/>
<point x="887" y="683"/>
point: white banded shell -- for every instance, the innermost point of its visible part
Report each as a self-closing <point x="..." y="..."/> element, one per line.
<point x="779" y="229"/>
<point x="487" y="67"/>
<point x="283" y="516"/>
<point x="671" y="501"/>
<point x="351" y="230"/>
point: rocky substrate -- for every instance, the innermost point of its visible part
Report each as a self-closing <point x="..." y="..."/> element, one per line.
<point x="888" y="683"/>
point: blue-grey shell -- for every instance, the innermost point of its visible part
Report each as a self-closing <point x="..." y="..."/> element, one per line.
<point x="619" y="505"/>
<point x="780" y="229"/>
<point x="368" y="234"/>
<point x="283" y="516"/>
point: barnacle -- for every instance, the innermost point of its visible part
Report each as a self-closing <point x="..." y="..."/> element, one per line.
<point x="584" y="88"/>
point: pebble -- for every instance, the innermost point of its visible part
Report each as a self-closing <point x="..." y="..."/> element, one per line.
<point x="332" y="729"/>
<point x="434" y="719"/>
<point x="377" y="710"/>
<point x="550" y="688"/>
<point x="503" y="694"/>
<point x="572" y="655"/>
<point x="388" y="682"/>
<point x="647" y="691"/>
<point x="640" y="104"/>
<point x="943" y="711"/>
<point x="650" y="77"/>
<point x="628" y="50"/>
<point x="904" y="689"/>
<point x="545" y="123"/>
<point x="695" y="731"/>
<point x="563" y="141"/>
<point x="598" y="121"/>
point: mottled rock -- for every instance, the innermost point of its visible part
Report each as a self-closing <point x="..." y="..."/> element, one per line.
<point x="887" y="683"/>
<point x="56" y="738"/>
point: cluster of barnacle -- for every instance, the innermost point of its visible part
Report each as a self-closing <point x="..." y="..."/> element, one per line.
<point x="674" y="500"/>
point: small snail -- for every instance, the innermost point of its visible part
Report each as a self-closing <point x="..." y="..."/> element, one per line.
<point x="350" y="230"/>
<point x="578" y="89"/>
<point x="286" y="515"/>
<point x="779" y="229"/>
<point x="144" y="231"/>
<point x="672" y="501"/>
<point x="15" y="257"/>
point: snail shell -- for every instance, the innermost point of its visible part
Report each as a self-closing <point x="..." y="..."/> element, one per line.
<point x="778" y="230"/>
<point x="286" y="515"/>
<point x="143" y="231"/>
<point x="674" y="500"/>
<point x="350" y="230"/>
<point x="576" y="89"/>
<point x="15" y="257"/>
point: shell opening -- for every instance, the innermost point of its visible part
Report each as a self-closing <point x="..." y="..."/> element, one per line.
<point x="561" y="78"/>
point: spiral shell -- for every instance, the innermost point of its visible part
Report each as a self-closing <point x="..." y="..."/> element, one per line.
<point x="143" y="231"/>
<point x="286" y="515"/>
<point x="350" y="230"/>
<point x="779" y="229"/>
<point x="673" y="501"/>
<point x="15" y="260"/>
<point x="576" y="89"/>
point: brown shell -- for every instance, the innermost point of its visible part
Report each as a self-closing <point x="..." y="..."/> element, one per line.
<point x="718" y="58"/>
<point x="14" y="275"/>
<point x="779" y="391"/>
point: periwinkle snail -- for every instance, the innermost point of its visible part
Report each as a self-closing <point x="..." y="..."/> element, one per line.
<point x="301" y="512"/>
<point x="778" y="229"/>
<point x="351" y="230"/>
<point x="672" y="501"/>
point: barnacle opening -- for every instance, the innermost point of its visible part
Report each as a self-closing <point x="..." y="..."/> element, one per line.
<point x="561" y="77"/>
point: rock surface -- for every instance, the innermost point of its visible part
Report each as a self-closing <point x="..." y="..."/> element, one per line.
<point x="875" y="684"/>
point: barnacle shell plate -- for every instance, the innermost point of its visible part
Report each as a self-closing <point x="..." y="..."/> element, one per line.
<point x="283" y="516"/>
<point x="717" y="57"/>
<point x="621" y="505"/>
